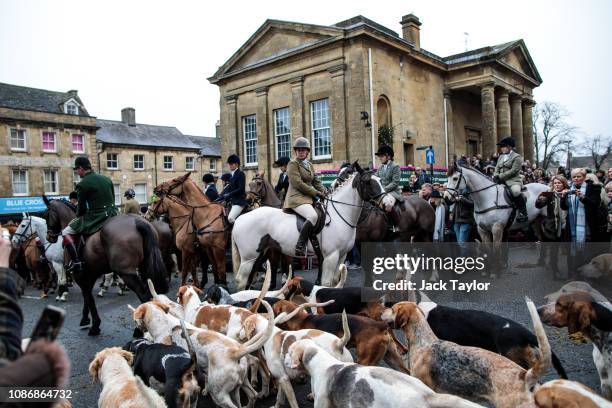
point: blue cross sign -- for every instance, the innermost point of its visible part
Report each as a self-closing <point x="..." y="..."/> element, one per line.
<point x="430" y="157"/>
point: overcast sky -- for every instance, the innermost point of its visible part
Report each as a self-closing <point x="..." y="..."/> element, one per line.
<point x="156" y="55"/>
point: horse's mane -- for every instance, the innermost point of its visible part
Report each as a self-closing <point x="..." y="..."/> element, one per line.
<point x="475" y="170"/>
<point x="343" y="183"/>
<point x="195" y="186"/>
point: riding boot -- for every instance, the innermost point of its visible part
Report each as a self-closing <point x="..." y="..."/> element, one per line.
<point x="521" y="205"/>
<point x="41" y="247"/>
<point x="300" y="247"/>
<point x="70" y="247"/>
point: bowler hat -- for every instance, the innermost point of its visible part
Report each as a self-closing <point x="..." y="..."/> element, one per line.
<point x="83" y="162"/>
<point x="282" y="161"/>
<point x="384" y="150"/>
<point x="233" y="159"/>
<point x="506" y="141"/>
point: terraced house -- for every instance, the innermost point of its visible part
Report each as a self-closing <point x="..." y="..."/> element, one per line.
<point x="140" y="156"/>
<point x="339" y="84"/>
<point x="41" y="132"/>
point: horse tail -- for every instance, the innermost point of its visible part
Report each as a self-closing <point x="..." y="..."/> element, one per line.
<point x="153" y="265"/>
<point x="235" y="256"/>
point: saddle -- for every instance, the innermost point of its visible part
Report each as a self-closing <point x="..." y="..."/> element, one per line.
<point x="508" y="194"/>
<point x="299" y="220"/>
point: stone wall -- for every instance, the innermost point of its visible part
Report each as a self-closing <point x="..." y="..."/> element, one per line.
<point x="127" y="177"/>
<point x="34" y="160"/>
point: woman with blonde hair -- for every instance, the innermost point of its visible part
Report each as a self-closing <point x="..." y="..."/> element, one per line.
<point x="557" y="217"/>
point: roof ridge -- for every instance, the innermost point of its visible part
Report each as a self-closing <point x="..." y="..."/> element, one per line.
<point x="36" y="89"/>
<point x="142" y="124"/>
<point x="477" y="50"/>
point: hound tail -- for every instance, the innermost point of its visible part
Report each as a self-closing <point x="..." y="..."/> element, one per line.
<point x="544" y="361"/>
<point x="281" y="291"/>
<point x="235" y="256"/>
<point x="199" y="375"/>
<point x="285" y="318"/>
<point x="343" y="274"/>
<point x="346" y="336"/>
<point x="259" y="339"/>
<point x="264" y="288"/>
<point x="152" y="288"/>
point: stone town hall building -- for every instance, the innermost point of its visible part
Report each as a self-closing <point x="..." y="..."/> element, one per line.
<point x="293" y="79"/>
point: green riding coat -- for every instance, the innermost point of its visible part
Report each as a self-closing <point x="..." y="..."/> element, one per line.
<point x="96" y="197"/>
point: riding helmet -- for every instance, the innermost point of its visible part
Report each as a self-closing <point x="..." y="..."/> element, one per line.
<point x="385" y="150"/>
<point x="73" y="195"/>
<point x="83" y="162"/>
<point x="226" y="177"/>
<point x="208" y="178"/>
<point x="130" y="193"/>
<point x="233" y="159"/>
<point x="301" y="143"/>
<point x="506" y="141"/>
<point x="282" y="161"/>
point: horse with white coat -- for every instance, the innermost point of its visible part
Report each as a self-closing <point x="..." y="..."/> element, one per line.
<point x="492" y="208"/>
<point x="337" y="237"/>
<point x="54" y="252"/>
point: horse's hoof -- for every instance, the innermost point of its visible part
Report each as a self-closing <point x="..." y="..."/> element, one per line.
<point x="94" y="331"/>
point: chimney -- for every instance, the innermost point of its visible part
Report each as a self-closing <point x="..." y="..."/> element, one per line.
<point x="410" y="30"/>
<point x="73" y="93"/>
<point x="217" y="129"/>
<point x="128" y="116"/>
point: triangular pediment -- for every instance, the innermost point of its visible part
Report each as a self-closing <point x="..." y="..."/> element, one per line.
<point x="275" y="39"/>
<point x="277" y="42"/>
<point x="518" y="58"/>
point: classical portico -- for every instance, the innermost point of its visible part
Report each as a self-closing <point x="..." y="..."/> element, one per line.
<point x="340" y="85"/>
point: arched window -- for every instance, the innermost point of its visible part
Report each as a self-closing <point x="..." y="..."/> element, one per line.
<point x="383" y="112"/>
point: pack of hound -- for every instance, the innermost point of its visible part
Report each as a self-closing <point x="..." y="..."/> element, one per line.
<point x="239" y="348"/>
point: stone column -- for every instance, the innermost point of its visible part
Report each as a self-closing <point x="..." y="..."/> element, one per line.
<point x="449" y="125"/>
<point x="503" y="114"/>
<point x="263" y="145"/>
<point x="339" y="137"/>
<point x="529" y="141"/>
<point x="231" y="126"/>
<point x="297" y="107"/>
<point x="517" y="122"/>
<point x="489" y="130"/>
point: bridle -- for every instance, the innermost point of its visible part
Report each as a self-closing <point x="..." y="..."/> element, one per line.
<point x="24" y="234"/>
<point x="374" y="200"/>
<point x="454" y="192"/>
<point x="189" y="218"/>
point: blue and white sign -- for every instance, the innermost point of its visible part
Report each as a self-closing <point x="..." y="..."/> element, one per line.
<point x="430" y="156"/>
<point x="15" y="205"/>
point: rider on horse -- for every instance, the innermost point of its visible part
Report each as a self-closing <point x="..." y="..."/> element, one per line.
<point x="507" y="171"/>
<point x="131" y="206"/>
<point x="304" y="187"/>
<point x="96" y="203"/>
<point x="283" y="181"/>
<point x="389" y="172"/>
<point x="235" y="191"/>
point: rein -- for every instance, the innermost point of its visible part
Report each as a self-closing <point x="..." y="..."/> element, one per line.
<point x="497" y="206"/>
<point x="190" y="219"/>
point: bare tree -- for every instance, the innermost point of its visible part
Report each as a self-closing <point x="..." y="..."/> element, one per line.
<point x="599" y="148"/>
<point x="551" y="132"/>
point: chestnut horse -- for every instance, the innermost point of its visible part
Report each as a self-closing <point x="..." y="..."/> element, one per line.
<point x="196" y="221"/>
